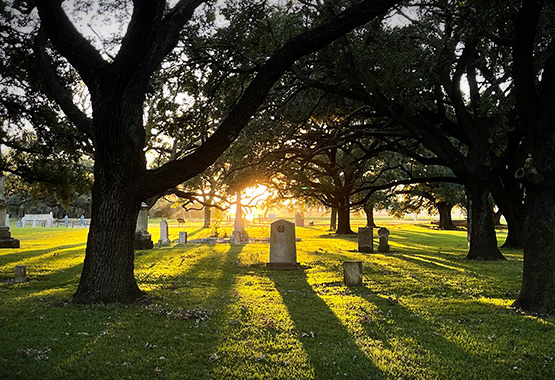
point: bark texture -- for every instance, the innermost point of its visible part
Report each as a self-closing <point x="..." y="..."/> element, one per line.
<point x="482" y="241"/>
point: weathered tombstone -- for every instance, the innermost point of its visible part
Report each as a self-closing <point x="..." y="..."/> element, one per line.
<point x="352" y="273"/>
<point x="6" y="240"/>
<point x="383" y="233"/>
<point x="18" y="223"/>
<point x="82" y="220"/>
<point x="182" y="237"/>
<point x="272" y="216"/>
<point x="283" y="248"/>
<point x="50" y="222"/>
<point x="299" y="220"/>
<point x="23" y="222"/>
<point x="365" y="239"/>
<point x="66" y="220"/>
<point x="34" y="223"/>
<point x="164" y="233"/>
<point x="143" y="238"/>
<point x="20" y="273"/>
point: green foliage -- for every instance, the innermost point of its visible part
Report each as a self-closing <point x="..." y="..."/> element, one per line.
<point x="424" y="312"/>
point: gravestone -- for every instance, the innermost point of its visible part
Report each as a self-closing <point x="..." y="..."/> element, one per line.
<point x="82" y="220"/>
<point x="283" y="248"/>
<point x="239" y="234"/>
<point x="365" y="239"/>
<point x="164" y="233"/>
<point x="272" y="216"/>
<point x="20" y="273"/>
<point x="383" y="233"/>
<point x="34" y="223"/>
<point x="66" y="220"/>
<point x="299" y="220"/>
<point x="6" y="240"/>
<point x="311" y="223"/>
<point x="143" y="238"/>
<point x="23" y="222"/>
<point x="352" y="273"/>
<point x="182" y="237"/>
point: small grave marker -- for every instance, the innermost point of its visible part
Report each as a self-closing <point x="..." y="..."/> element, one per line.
<point x="164" y="233"/>
<point x="366" y="239"/>
<point x="182" y="237"/>
<point x="20" y="273"/>
<point x="383" y="233"/>
<point x="352" y="273"/>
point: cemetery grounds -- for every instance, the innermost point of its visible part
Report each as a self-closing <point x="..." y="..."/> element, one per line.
<point x="216" y="311"/>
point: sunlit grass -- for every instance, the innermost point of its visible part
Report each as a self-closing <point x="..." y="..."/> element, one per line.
<point x="424" y="312"/>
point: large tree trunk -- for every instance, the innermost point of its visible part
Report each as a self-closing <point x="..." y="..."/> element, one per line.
<point x="369" y="211"/>
<point x="108" y="271"/>
<point x="482" y="241"/>
<point x="333" y="219"/>
<point x="508" y="196"/>
<point x="207" y="215"/>
<point x="537" y="293"/>
<point x="445" y="220"/>
<point x="535" y="104"/>
<point x="344" y="221"/>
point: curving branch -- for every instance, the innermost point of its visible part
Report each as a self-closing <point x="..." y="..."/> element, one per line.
<point x="254" y="95"/>
<point x="57" y="91"/>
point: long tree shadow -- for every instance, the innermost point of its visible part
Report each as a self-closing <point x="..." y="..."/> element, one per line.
<point x="439" y="346"/>
<point x="24" y="254"/>
<point x="332" y="350"/>
<point x="190" y="303"/>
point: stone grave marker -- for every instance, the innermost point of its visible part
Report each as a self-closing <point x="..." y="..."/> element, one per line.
<point x="299" y="220"/>
<point x="164" y="233"/>
<point x="383" y="233"/>
<point x="7" y="223"/>
<point x="143" y="238"/>
<point x="20" y="273"/>
<point x="366" y="239"/>
<point x="6" y="239"/>
<point x="182" y="237"/>
<point x="23" y="222"/>
<point x="352" y="273"/>
<point x="283" y="248"/>
<point x="66" y="220"/>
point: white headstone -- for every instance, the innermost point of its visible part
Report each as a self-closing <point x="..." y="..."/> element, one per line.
<point x="143" y="238"/>
<point x="164" y="233"/>
<point x="182" y="237"/>
<point x="23" y="222"/>
<point x="34" y="223"/>
<point x="66" y="220"/>
<point x="7" y="220"/>
<point x="283" y="249"/>
<point x="82" y="220"/>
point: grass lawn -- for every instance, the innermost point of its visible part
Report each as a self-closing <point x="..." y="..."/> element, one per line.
<point x="424" y="312"/>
